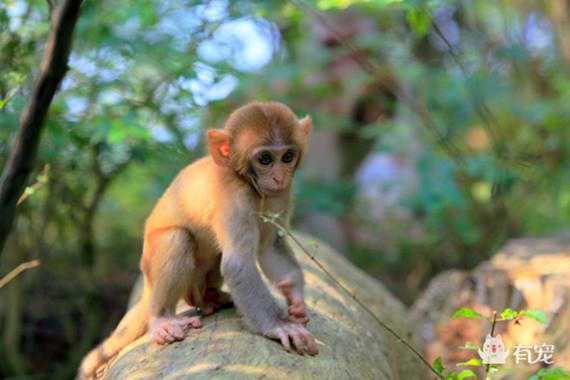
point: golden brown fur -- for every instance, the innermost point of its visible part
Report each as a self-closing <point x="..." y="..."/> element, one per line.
<point x="206" y="226"/>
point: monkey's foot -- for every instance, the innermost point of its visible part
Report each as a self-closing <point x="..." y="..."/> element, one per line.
<point x="168" y="330"/>
<point x="215" y="299"/>
<point x="295" y="303"/>
<point x="302" y="339"/>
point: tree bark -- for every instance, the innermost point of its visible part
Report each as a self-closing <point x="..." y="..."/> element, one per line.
<point x="22" y="156"/>
<point x="351" y="344"/>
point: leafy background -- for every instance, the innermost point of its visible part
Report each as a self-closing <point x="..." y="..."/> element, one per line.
<point x="441" y="128"/>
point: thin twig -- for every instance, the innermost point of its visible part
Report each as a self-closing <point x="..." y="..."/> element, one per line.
<point x="8" y="97"/>
<point x="492" y="334"/>
<point x="269" y="219"/>
<point x="16" y="271"/>
<point x="41" y="180"/>
<point x="50" y="6"/>
<point x="477" y="101"/>
<point x="398" y="89"/>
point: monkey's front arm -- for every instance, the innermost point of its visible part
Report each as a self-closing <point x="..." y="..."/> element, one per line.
<point x="252" y="298"/>
<point x="279" y="265"/>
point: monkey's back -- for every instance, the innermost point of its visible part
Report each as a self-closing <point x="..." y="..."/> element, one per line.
<point x="190" y="199"/>
<point x="195" y="200"/>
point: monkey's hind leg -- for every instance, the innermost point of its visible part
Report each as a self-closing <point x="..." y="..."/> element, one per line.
<point x="207" y="294"/>
<point x="215" y="298"/>
<point x="170" y="272"/>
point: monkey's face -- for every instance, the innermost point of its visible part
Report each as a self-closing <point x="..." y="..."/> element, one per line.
<point x="263" y="143"/>
<point x="272" y="168"/>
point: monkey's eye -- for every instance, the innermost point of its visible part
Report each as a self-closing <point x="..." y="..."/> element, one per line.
<point x="287" y="157"/>
<point x="265" y="158"/>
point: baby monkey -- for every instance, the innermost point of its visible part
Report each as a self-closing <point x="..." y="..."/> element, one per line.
<point x="206" y="229"/>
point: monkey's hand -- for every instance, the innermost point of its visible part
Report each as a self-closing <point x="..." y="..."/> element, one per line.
<point x="295" y="302"/>
<point x="302" y="339"/>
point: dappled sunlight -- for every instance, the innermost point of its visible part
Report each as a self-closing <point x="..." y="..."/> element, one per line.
<point x="434" y="181"/>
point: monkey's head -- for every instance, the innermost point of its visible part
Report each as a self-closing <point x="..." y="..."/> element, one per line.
<point x="263" y="142"/>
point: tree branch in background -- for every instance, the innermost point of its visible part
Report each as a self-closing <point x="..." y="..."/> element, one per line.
<point x="396" y="86"/>
<point x="16" y="271"/>
<point x="90" y="206"/>
<point x="52" y="71"/>
<point x="41" y="180"/>
<point x="50" y="6"/>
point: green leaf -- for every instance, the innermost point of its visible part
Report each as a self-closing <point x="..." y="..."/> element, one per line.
<point x="509" y="314"/>
<point x="4" y="101"/>
<point x="438" y="365"/>
<point x="116" y="136"/>
<point x="471" y="362"/>
<point x="466" y="374"/>
<point x="311" y="242"/>
<point x="552" y="373"/>
<point x="419" y="20"/>
<point x="342" y="4"/>
<point x="466" y="313"/>
<point x="450" y="376"/>
<point x="482" y="191"/>
<point x="537" y="315"/>
<point x="469" y="346"/>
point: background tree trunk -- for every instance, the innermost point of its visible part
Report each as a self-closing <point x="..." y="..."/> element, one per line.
<point x="21" y="159"/>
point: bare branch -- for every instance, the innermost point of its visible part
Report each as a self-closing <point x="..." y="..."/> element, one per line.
<point x="50" y="6"/>
<point x="41" y="181"/>
<point x="394" y="86"/>
<point x="16" y="271"/>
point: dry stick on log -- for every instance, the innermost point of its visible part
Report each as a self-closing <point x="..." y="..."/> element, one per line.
<point x="272" y="220"/>
<point x="23" y="153"/>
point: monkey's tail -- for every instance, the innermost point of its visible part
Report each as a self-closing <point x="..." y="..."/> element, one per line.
<point x="132" y="326"/>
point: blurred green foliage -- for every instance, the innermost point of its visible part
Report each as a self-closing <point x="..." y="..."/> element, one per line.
<point x="147" y="77"/>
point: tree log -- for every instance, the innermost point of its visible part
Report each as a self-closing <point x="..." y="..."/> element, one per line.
<point x="526" y="274"/>
<point x="351" y="343"/>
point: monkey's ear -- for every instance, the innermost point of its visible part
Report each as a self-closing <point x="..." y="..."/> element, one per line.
<point x="219" y="145"/>
<point x="306" y="124"/>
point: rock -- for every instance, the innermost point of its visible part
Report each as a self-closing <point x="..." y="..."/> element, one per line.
<point x="527" y="274"/>
<point x="351" y="343"/>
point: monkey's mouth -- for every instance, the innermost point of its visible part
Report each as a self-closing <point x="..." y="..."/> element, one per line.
<point x="273" y="192"/>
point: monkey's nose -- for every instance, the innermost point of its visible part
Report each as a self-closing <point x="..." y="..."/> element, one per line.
<point x="278" y="181"/>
